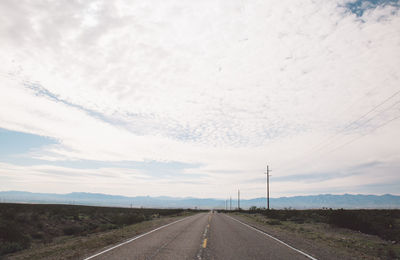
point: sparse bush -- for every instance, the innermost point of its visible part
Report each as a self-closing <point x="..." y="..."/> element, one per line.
<point x="43" y="223"/>
<point x="12" y="239"/>
<point x="391" y="254"/>
<point x="72" y="230"/>
<point x="372" y="222"/>
<point x="22" y="217"/>
<point x="107" y="226"/>
<point x="38" y="235"/>
<point x="274" y="222"/>
<point x="130" y="219"/>
<point x="346" y="219"/>
<point x="9" y="214"/>
<point x="383" y="223"/>
<point x="297" y="220"/>
<point x="9" y="247"/>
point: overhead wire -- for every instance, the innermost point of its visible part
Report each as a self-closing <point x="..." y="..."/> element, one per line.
<point x="358" y="137"/>
<point x="327" y="142"/>
<point x="367" y="121"/>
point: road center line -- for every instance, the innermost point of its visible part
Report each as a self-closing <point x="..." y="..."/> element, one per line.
<point x="280" y="241"/>
<point x="205" y="243"/>
<point x="137" y="237"/>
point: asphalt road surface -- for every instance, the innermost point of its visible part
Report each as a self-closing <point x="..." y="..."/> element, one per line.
<point x="203" y="236"/>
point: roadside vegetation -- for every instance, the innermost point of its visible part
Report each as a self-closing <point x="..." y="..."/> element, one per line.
<point x="24" y="226"/>
<point x="369" y="231"/>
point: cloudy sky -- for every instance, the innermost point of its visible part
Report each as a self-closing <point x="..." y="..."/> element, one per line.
<point x="195" y="98"/>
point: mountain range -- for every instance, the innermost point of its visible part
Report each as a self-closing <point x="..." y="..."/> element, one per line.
<point x="295" y="202"/>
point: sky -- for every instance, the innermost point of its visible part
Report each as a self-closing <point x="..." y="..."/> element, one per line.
<point x="196" y="98"/>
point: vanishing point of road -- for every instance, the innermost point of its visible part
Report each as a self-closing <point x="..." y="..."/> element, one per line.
<point x="203" y="236"/>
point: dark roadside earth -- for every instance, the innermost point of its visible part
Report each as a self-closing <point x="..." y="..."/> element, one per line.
<point x="323" y="241"/>
<point x="70" y="247"/>
<point x="44" y="231"/>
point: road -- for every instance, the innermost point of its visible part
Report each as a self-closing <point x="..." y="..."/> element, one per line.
<point x="203" y="236"/>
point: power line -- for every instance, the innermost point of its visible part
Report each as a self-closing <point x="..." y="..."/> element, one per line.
<point x="327" y="142"/>
<point x="365" y="122"/>
<point x="355" y="121"/>
<point x="379" y="126"/>
<point x="358" y="137"/>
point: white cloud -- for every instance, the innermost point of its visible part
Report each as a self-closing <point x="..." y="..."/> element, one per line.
<point x="229" y="85"/>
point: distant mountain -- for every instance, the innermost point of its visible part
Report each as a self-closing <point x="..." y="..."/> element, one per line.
<point x="297" y="202"/>
<point x="332" y="201"/>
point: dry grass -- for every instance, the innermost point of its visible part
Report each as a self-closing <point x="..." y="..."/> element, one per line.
<point x="62" y="228"/>
<point x="69" y="247"/>
<point x="349" y="244"/>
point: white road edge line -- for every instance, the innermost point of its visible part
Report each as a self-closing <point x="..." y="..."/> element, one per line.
<point x="268" y="235"/>
<point x="137" y="237"/>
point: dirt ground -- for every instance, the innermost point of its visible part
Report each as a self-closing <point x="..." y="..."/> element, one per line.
<point x="324" y="241"/>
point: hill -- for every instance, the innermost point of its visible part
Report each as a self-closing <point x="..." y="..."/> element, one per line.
<point x="297" y="202"/>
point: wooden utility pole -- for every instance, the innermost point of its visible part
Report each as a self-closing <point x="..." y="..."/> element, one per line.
<point x="267" y="175"/>
<point x="238" y="199"/>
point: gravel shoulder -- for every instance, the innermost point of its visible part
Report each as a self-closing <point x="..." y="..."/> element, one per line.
<point x="69" y="247"/>
<point x="323" y="241"/>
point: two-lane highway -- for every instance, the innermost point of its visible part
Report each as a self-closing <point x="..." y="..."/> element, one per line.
<point x="203" y="236"/>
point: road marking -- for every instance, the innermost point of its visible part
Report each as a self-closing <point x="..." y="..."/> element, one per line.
<point x="280" y="241"/>
<point x="205" y="243"/>
<point x="137" y="237"/>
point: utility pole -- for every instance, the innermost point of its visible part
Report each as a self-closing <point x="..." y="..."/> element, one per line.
<point x="238" y="199"/>
<point x="230" y="203"/>
<point x="226" y="204"/>
<point x="267" y="175"/>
